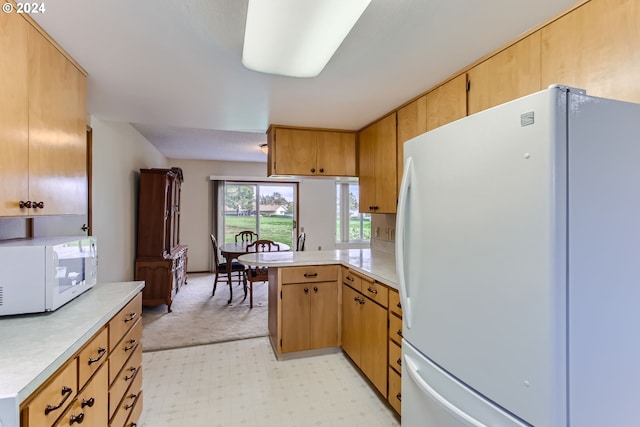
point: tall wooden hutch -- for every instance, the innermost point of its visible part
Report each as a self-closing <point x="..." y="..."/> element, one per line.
<point x="161" y="261"/>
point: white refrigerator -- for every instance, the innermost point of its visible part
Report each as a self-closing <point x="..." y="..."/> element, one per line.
<point x="518" y="258"/>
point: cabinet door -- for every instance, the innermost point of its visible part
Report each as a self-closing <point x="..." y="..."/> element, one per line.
<point x="91" y="406"/>
<point x="295" y="152"/>
<point x="595" y="47"/>
<point x="336" y="153"/>
<point x="447" y="103"/>
<point x="510" y="74"/>
<point x="57" y="130"/>
<point x="324" y="314"/>
<point x="14" y="110"/>
<point x="373" y="351"/>
<point x="366" y="169"/>
<point x="412" y="121"/>
<point x="296" y="317"/>
<point x="351" y="323"/>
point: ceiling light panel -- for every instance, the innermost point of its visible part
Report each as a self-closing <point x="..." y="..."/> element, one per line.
<point x="297" y="38"/>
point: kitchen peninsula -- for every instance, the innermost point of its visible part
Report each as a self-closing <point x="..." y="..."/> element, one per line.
<point x="322" y="301"/>
<point x="37" y="349"/>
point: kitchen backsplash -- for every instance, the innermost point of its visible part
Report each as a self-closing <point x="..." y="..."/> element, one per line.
<point x="383" y="232"/>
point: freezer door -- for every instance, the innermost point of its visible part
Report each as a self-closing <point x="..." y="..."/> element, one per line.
<point x="481" y="252"/>
<point x="430" y="397"/>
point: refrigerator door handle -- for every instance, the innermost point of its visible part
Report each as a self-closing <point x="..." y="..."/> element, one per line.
<point x="400" y="233"/>
<point x="412" y="369"/>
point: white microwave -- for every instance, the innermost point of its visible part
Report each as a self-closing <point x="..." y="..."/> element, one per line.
<point x="42" y="274"/>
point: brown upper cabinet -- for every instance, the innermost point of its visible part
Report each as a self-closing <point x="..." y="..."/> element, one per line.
<point x="311" y="152"/>
<point x="509" y="74"/>
<point x="42" y="125"/>
<point x="377" y="166"/>
<point x="447" y="102"/>
<point x="596" y="47"/>
<point x="412" y="121"/>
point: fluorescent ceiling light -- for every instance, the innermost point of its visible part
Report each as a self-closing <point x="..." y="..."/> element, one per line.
<point x="297" y="37"/>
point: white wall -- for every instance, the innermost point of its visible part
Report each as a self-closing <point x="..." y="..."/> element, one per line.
<point x="119" y="152"/>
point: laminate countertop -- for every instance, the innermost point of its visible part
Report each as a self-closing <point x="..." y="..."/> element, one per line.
<point x="378" y="265"/>
<point x="34" y="346"/>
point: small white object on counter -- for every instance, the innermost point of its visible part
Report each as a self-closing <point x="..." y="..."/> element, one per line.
<point x="377" y="265"/>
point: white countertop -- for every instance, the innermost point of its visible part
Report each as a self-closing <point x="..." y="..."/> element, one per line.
<point x="378" y="265"/>
<point x="34" y="346"/>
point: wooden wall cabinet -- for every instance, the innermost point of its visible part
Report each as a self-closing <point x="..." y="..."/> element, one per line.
<point x="447" y="102"/>
<point x="377" y="166"/>
<point x="509" y="74"/>
<point x="307" y="308"/>
<point x="364" y="326"/>
<point x="42" y="125"/>
<point x="311" y="152"/>
<point x="412" y="121"/>
<point x="595" y="47"/>
<point x="161" y="260"/>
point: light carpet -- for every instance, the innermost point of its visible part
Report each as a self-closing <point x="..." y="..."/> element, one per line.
<point x="198" y="318"/>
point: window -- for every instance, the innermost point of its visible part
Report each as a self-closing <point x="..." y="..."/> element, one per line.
<point x="268" y="209"/>
<point x="351" y="225"/>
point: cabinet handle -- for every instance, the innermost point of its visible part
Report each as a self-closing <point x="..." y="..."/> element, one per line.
<point x="23" y="204"/>
<point x="361" y="301"/>
<point x="399" y="332"/>
<point x="132" y="316"/>
<point x="36" y="205"/>
<point x="84" y="227"/>
<point x="101" y="353"/>
<point x="315" y="289"/>
<point x="321" y="170"/>
<point x="76" y="419"/>
<point x="132" y="344"/>
<point x="399" y="397"/>
<point x="399" y="361"/>
<point x="88" y="403"/>
<point x="66" y="392"/>
<point x="349" y="278"/>
<point x="373" y="291"/>
<point x="132" y="397"/>
<point x="128" y="377"/>
<point x="313" y="170"/>
<point x="310" y="274"/>
<point x="306" y="290"/>
<point x="399" y="305"/>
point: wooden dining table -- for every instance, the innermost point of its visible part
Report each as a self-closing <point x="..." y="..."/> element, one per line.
<point x="232" y="250"/>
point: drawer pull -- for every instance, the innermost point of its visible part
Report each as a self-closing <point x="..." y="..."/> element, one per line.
<point x="76" y="419"/>
<point x="373" y="291"/>
<point x="399" y="397"/>
<point x="132" y="344"/>
<point x="310" y="274"/>
<point x="133" y="370"/>
<point x="88" y="402"/>
<point x="351" y="279"/>
<point x="66" y="392"/>
<point x="132" y="397"/>
<point x="399" y="332"/>
<point x="101" y="352"/>
<point x="306" y="290"/>
<point x="398" y="305"/>
<point x="399" y="362"/>
<point x="132" y="316"/>
<point x="315" y="289"/>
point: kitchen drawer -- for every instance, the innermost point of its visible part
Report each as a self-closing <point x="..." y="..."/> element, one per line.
<point x="124" y="379"/>
<point x="395" y="356"/>
<point x="308" y="274"/>
<point x="124" y="350"/>
<point x="376" y="291"/>
<point x="134" y="417"/>
<point x="92" y="356"/>
<point x="127" y="407"/>
<point x="395" y="391"/>
<point x="351" y="279"/>
<point x="50" y="402"/>
<point x="124" y="320"/>
<point x="394" y="302"/>
<point x="91" y="406"/>
<point x="395" y="329"/>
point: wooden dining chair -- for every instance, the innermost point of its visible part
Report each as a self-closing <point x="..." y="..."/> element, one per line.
<point x="300" y="243"/>
<point x="246" y="236"/>
<point x="238" y="272"/>
<point x="257" y="273"/>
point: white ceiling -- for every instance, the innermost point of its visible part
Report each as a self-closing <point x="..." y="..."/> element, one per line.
<point x="173" y="68"/>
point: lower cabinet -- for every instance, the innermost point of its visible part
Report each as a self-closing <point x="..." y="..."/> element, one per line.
<point x="364" y="329"/>
<point x="84" y="391"/>
<point x="307" y="308"/>
<point x="395" y="351"/>
<point x="164" y="276"/>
